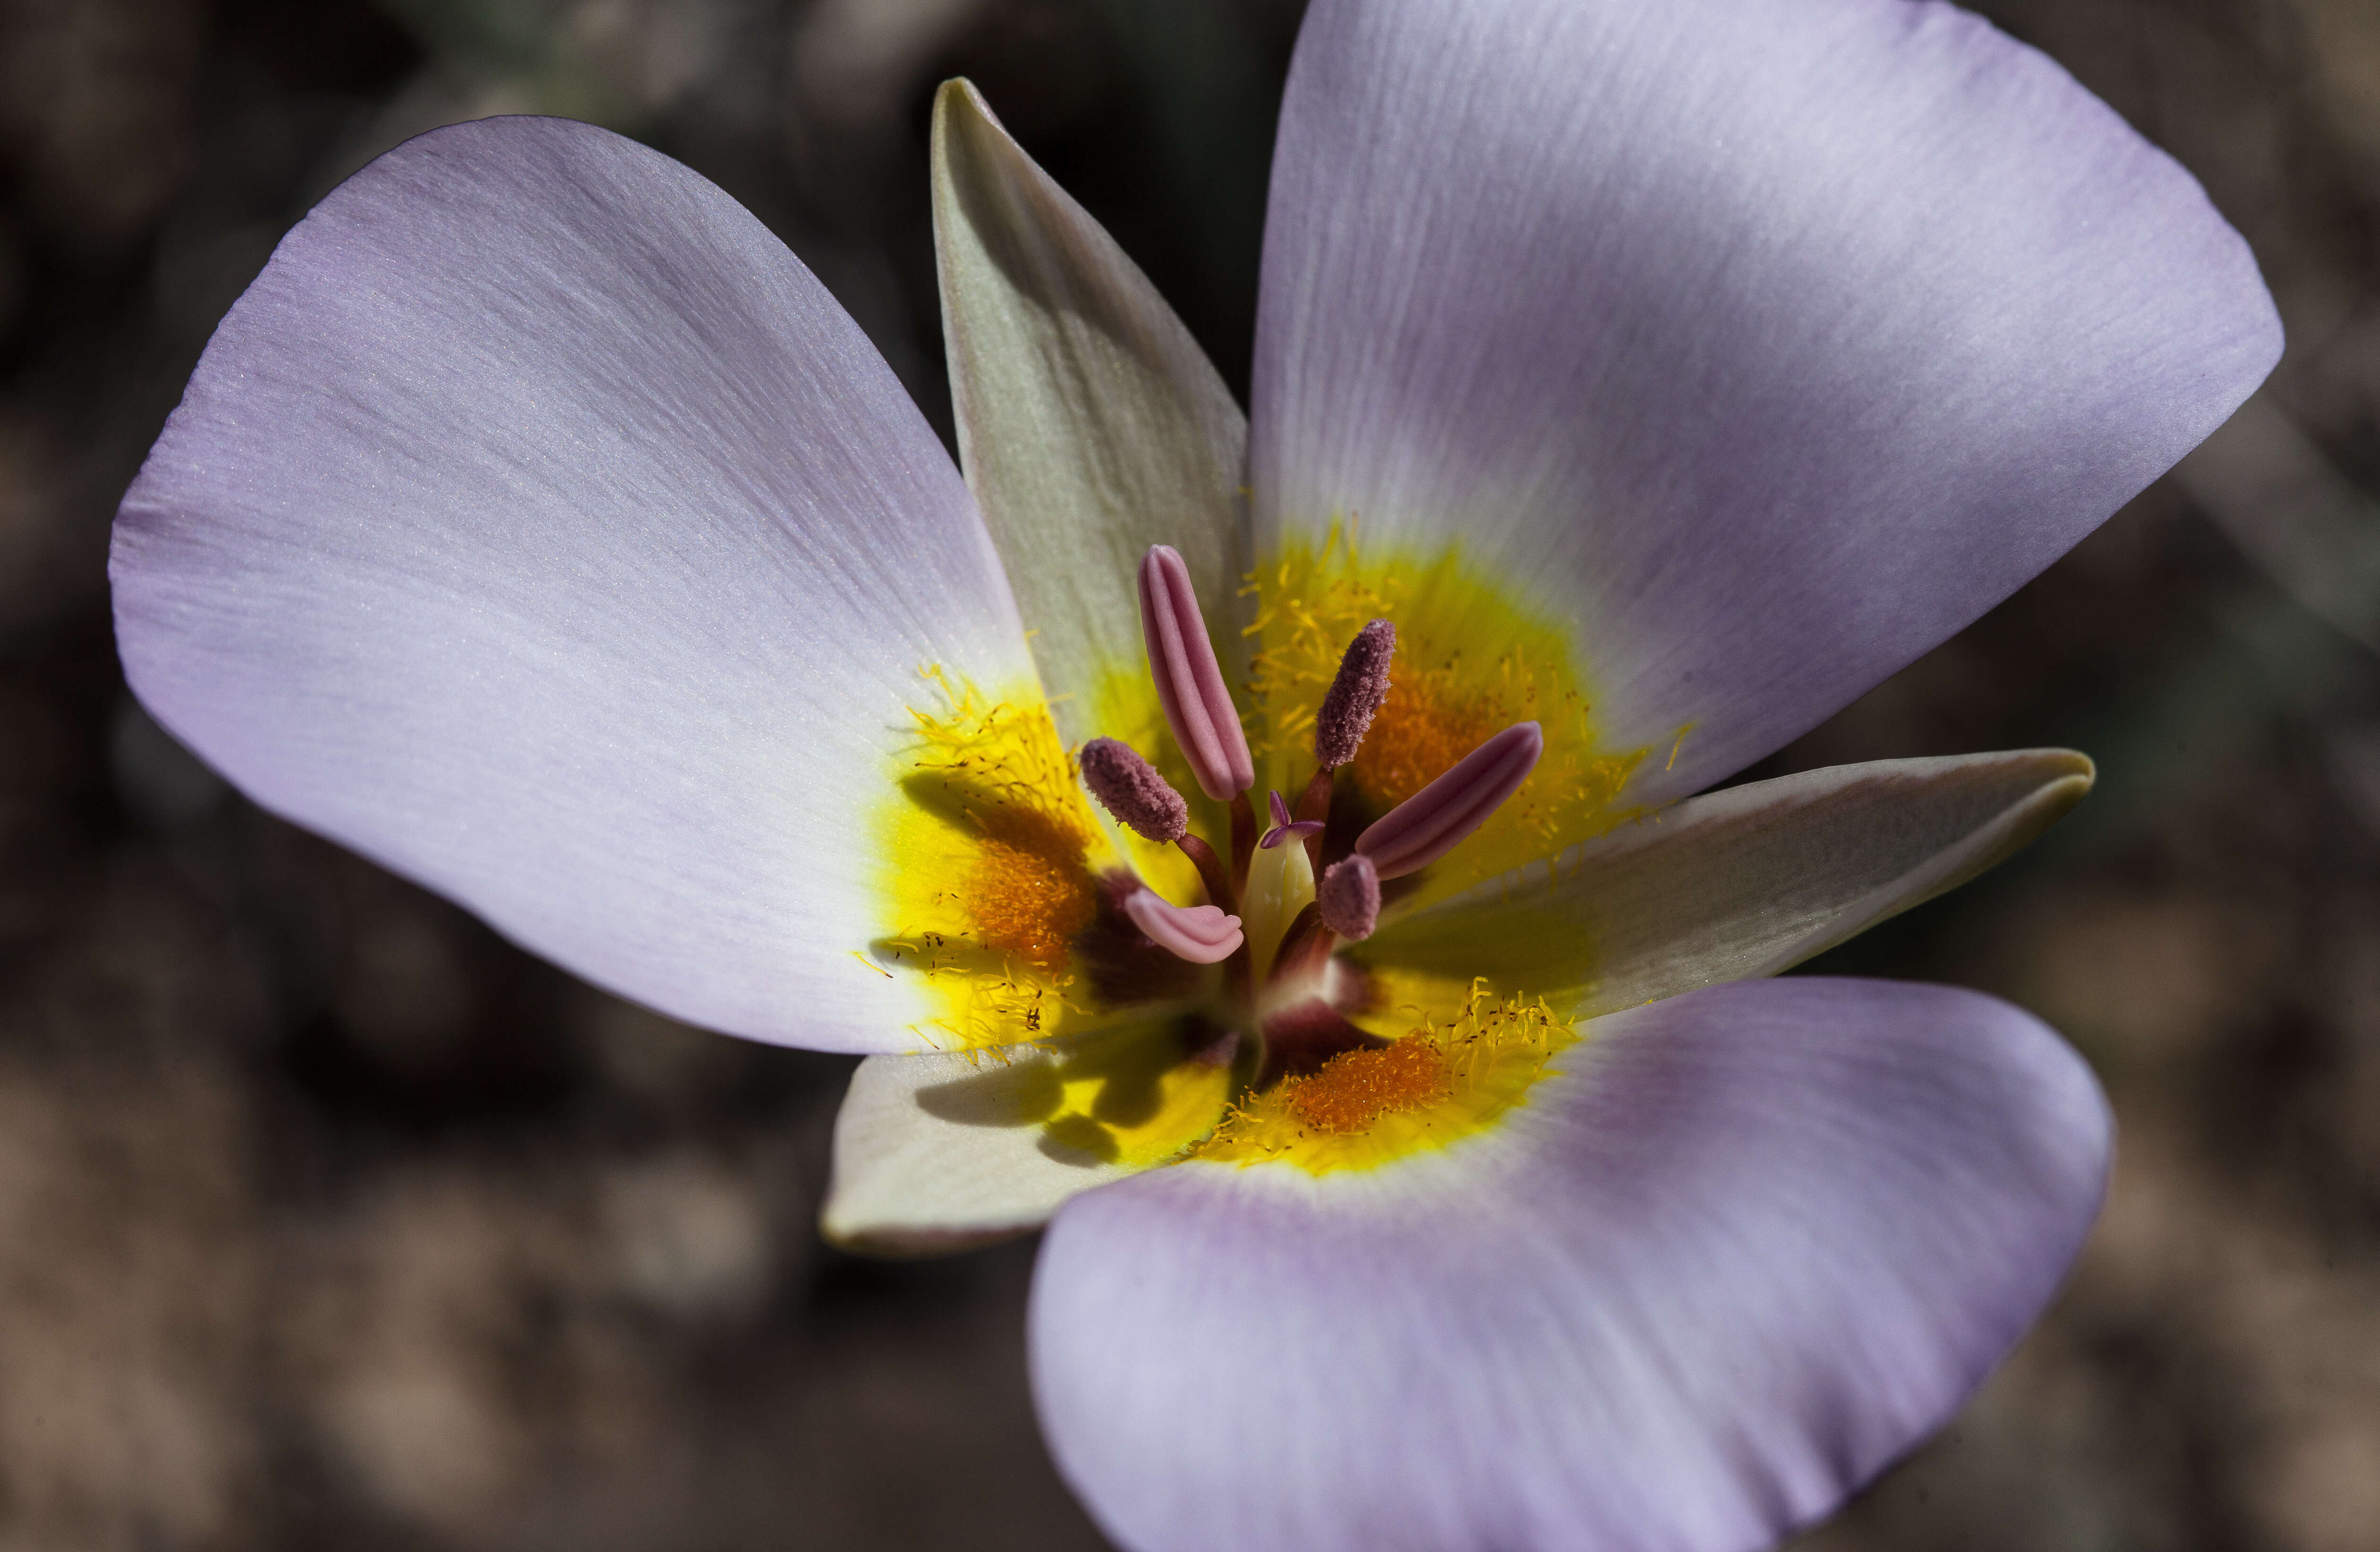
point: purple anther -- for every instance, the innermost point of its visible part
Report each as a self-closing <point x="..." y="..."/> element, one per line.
<point x="1355" y="696"/>
<point x="1201" y="934"/>
<point x="1349" y="897"/>
<point x="1130" y="788"/>
<point x="1189" y="682"/>
<point x="1434" y="820"/>
<point x="1286" y="829"/>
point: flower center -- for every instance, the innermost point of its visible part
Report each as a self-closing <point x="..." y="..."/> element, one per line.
<point x="1415" y="733"/>
<point x="1471" y="658"/>
<point x="1276" y="903"/>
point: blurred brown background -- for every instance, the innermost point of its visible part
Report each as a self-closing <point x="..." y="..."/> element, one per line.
<point x="327" y="1219"/>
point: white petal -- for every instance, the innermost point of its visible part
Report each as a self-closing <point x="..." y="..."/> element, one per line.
<point x="1091" y="426"/>
<point x="940" y="1152"/>
<point x="1746" y="881"/>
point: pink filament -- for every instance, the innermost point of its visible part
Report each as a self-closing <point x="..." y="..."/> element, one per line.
<point x="1189" y="682"/>
<point x="1201" y="934"/>
<point x="1435" y="820"/>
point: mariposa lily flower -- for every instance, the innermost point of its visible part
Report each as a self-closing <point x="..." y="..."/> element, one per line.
<point x="1662" y="375"/>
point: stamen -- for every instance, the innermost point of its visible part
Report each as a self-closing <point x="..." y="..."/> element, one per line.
<point x="1198" y="703"/>
<point x="1434" y="820"/>
<point x="1130" y="788"/>
<point x="1349" y="897"/>
<point x="1201" y="934"/>
<point x="1220" y="889"/>
<point x="1354" y="695"/>
<point x="1286" y="829"/>
<point x="1314" y="803"/>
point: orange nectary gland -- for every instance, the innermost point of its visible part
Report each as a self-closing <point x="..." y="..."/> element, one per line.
<point x="1356" y="1088"/>
<point x="1029" y="903"/>
<point x="1417" y="736"/>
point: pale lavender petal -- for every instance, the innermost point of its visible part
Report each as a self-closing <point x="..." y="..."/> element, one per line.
<point x="1201" y="934"/>
<point x="1742" y="1250"/>
<point x="1769" y="341"/>
<point x="538" y="526"/>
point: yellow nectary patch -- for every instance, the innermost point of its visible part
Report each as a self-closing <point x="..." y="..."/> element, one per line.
<point x="1366" y="1109"/>
<point x="992" y="856"/>
<point x="1471" y="661"/>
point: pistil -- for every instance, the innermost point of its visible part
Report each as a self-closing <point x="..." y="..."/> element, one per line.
<point x="1285" y="828"/>
<point x="1280" y="882"/>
